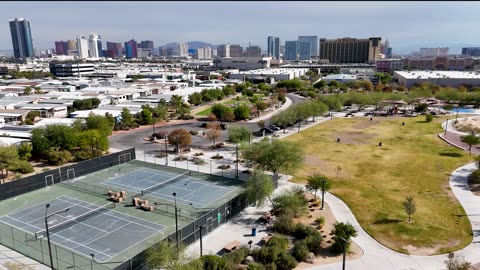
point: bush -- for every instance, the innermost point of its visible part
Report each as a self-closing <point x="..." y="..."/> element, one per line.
<point x="320" y="220"/>
<point x="224" y="167"/>
<point x="278" y="241"/>
<point x="58" y="157"/>
<point x="300" y="251"/>
<point x="217" y="156"/>
<point x="241" y="112"/>
<point x="286" y="262"/>
<point x="25" y="151"/>
<point x="474" y="178"/>
<point x="313" y="243"/>
<point x="428" y="118"/>
<point x="18" y="175"/>
<point x="161" y="134"/>
<point x="212" y="262"/>
<point x="231" y="260"/>
<point x="283" y="224"/>
<point x="180" y="158"/>
<point x="302" y="231"/>
<point x="193" y="132"/>
<point x="84" y="154"/>
<point x="185" y="117"/>
<point x="161" y="155"/>
<point x="255" y="266"/>
<point x="198" y="154"/>
<point x="238" y="134"/>
<point x="199" y="161"/>
<point x="248" y="92"/>
<point x="23" y="166"/>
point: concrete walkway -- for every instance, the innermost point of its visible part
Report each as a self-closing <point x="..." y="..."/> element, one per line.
<point x="285" y="105"/>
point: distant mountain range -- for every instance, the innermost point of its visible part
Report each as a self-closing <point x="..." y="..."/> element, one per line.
<point x="192" y="45"/>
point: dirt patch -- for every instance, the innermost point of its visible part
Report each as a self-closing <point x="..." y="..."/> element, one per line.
<point x="326" y="257"/>
<point x="354" y="137"/>
<point x="426" y="251"/>
<point x="365" y="124"/>
<point x="324" y="167"/>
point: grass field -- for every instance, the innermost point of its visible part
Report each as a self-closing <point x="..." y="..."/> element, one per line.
<point x="374" y="180"/>
<point x="205" y="112"/>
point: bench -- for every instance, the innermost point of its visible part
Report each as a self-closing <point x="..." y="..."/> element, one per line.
<point x="265" y="239"/>
<point x="232" y="246"/>
<point x="117" y="196"/>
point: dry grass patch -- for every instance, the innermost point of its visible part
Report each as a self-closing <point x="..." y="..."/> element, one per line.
<point x="373" y="180"/>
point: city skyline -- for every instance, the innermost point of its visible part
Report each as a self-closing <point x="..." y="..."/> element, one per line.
<point x="407" y="25"/>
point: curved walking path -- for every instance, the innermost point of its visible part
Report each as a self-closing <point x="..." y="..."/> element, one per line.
<point x="378" y="257"/>
<point x="454" y="137"/>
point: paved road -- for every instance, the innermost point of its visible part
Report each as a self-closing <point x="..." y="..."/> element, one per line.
<point x="134" y="138"/>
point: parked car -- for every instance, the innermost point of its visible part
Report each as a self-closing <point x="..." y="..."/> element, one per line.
<point x="222" y="126"/>
<point x="267" y="130"/>
<point x="273" y="127"/>
<point x="203" y="125"/>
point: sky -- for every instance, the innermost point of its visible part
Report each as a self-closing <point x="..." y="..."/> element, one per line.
<point x="407" y="25"/>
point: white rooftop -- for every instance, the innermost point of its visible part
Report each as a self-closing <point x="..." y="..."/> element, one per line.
<point x="421" y="74"/>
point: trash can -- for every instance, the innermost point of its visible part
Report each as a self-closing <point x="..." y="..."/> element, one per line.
<point x="254" y="231"/>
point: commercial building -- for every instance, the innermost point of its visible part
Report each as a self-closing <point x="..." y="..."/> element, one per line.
<point x="71" y="69"/>
<point x="304" y="50"/>
<point x="72" y="45"/>
<point x="182" y="49"/>
<point x="131" y="50"/>
<point x="471" y="51"/>
<point x="94" y="46"/>
<point x="82" y="47"/>
<point x="441" y="78"/>
<point x="61" y="48"/>
<point x="144" y="52"/>
<point x="146" y="44"/>
<point x="439" y="63"/>
<point x="253" y="51"/>
<point x="433" y="52"/>
<point x="223" y="50"/>
<point x="291" y="50"/>
<point x="273" y="44"/>
<point x="350" y="50"/>
<point x="21" y="38"/>
<point x="313" y="48"/>
<point x="114" y="50"/>
<point x="278" y="74"/>
<point x="242" y="63"/>
<point x="236" y="50"/>
<point x="389" y="65"/>
<point x="343" y="78"/>
<point x="203" y="53"/>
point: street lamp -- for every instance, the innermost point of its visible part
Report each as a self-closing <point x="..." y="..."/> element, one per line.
<point x="446" y="127"/>
<point x="176" y="218"/>
<point x="345" y="242"/>
<point x="46" y="229"/>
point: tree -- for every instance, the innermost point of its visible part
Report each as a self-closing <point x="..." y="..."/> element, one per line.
<point x="471" y="140"/>
<point x="164" y="255"/>
<point x="274" y="155"/>
<point x="25" y="151"/>
<point x="222" y="112"/>
<point x="237" y="134"/>
<point x="8" y="158"/>
<point x="241" y="112"/>
<point x="176" y="102"/>
<point x="421" y="107"/>
<point x="195" y="98"/>
<point x="409" y="206"/>
<point x="213" y="132"/>
<point x="368" y="85"/>
<point x="27" y="91"/>
<point x="146" y="115"/>
<point x="100" y="123"/>
<point x="379" y="87"/>
<point x="457" y="263"/>
<point x="56" y="136"/>
<point x="179" y="137"/>
<point x="161" y="112"/>
<point x="319" y="85"/>
<point x="38" y="90"/>
<point x="259" y="188"/>
<point x="342" y="233"/>
<point x="126" y="118"/>
<point x="315" y="182"/>
<point x="292" y="203"/>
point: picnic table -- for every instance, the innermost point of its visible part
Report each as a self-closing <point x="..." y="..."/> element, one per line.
<point x="231" y="246"/>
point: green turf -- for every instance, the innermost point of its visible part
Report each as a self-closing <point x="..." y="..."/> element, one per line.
<point x="374" y="180"/>
<point x="205" y="112"/>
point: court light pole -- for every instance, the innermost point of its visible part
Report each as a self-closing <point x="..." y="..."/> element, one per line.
<point x="323" y="194"/>
<point x="201" y="242"/>
<point x="446" y="127"/>
<point x="176" y="219"/>
<point x="48" y="233"/>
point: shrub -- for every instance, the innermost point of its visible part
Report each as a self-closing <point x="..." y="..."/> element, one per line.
<point x="300" y="251"/>
<point x="199" y="161"/>
<point x="302" y="231"/>
<point x="161" y="155"/>
<point x="198" y="154"/>
<point x="84" y="154"/>
<point x="217" y="156"/>
<point x="23" y="166"/>
<point x="193" y="132"/>
<point x="185" y="117"/>
<point x="180" y="158"/>
<point x="286" y="262"/>
<point x="241" y="112"/>
<point x="25" y="151"/>
<point x="231" y="260"/>
<point x="283" y="224"/>
<point x="212" y="262"/>
<point x="58" y="157"/>
<point x="428" y="118"/>
<point x="18" y="175"/>
<point x="278" y="241"/>
<point x="160" y="134"/>
<point x="224" y="167"/>
<point x="313" y="243"/>
<point x="320" y="220"/>
<point x="474" y="178"/>
<point x="255" y="266"/>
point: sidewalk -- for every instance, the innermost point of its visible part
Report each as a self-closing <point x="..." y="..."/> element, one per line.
<point x="285" y="105"/>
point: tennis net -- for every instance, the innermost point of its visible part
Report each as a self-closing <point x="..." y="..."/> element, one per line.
<point x="165" y="183"/>
<point x="84" y="216"/>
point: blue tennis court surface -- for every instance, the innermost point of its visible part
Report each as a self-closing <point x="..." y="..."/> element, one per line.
<point x="105" y="233"/>
<point x="189" y="190"/>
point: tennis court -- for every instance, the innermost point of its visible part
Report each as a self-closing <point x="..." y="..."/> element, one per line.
<point x="85" y="228"/>
<point x="162" y="184"/>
